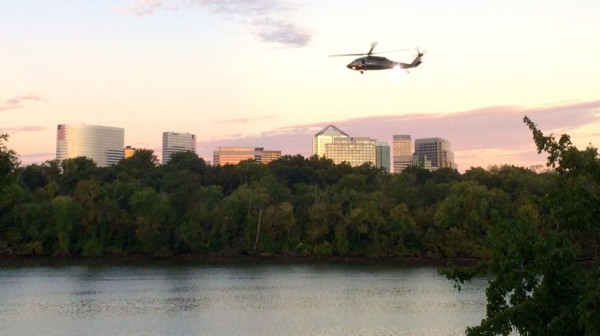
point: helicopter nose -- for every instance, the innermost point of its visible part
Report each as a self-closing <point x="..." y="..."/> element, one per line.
<point x="351" y="66"/>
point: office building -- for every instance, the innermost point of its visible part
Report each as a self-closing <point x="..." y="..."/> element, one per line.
<point x="424" y="162"/>
<point x="235" y="155"/>
<point x="437" y="150"/>
<point x="355" y="151"/>
<point x="173" y="142"/>
<point x="269" y="155"/>
<point x="382" y="155"/>
<point x="324" y="137"/>
<point x="402" y="152"/>
<point x="102" y="144"/>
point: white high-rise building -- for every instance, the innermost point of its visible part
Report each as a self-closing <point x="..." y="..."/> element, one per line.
<point x="102" y="144"/>
<point x="324" y="137"/>
<point x="173" y="142"/>
<point x="402" y="152"/>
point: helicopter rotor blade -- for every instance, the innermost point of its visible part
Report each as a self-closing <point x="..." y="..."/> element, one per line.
<point x="372" y="47"/>
<point x="391" y="51"/>
<point x="337" y="55"/>
<point x="370" y="52"/>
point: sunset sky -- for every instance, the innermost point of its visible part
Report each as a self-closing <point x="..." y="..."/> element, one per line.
<point x="257" y="72"/>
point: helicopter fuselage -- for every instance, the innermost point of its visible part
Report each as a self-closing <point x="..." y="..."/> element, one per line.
<point x="370" y="62"/>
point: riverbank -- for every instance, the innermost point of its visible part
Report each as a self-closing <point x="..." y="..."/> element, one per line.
<point x="234" y="259"/>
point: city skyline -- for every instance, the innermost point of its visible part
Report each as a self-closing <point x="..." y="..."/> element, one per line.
<point x="257" y="73"/>
<point x="101" y="143"/>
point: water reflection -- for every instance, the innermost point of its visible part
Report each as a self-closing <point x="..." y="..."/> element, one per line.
<point x="235" y="299"/>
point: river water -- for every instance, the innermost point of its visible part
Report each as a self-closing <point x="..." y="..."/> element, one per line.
<point x="163" y="298"/>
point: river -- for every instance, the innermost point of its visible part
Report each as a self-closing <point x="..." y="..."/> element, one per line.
<point x="227" y="298"/>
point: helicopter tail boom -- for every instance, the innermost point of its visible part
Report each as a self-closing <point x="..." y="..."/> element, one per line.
<point x="415" y="63"/>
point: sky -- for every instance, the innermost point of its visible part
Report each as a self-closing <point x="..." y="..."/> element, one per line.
<point x="258" y="73"/>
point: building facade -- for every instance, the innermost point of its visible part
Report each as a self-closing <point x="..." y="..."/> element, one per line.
<point x="324" y="137"/>
<point x="235" y="155"/>
<point x="382" y="155"/>
<point x="437" y="150"/>
<point x="173" y="142"/>
<point x="402" y="152"/>
<point x="102" y="144"/>
<point x="269" y="155"/>
<point x="355" y="151"/>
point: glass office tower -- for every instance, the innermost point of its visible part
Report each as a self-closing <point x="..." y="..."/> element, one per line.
<point x="402" y="152"/>
<point x="355" y="151"/>
<point x="437" y="150"/>
<point x="324" y="137"/>
<point x="102" y="144"/>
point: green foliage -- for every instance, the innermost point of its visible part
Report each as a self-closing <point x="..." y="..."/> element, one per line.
<point x="66" y="214"/>
<point x="8" y="162"/>
<point x="462" y="220"/>
<point x="545" y="261"/>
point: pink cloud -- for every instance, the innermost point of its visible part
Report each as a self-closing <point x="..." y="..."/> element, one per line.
<point x="17" y="102"/>
<point x="14" y="130"/>
<point x="35" y="157"/>
<point x="246" y="120"/>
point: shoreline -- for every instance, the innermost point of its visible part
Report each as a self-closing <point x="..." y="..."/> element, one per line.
<point x="246" y="259"/>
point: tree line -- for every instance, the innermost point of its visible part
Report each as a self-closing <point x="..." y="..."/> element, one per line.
<point x="293" y="206"/>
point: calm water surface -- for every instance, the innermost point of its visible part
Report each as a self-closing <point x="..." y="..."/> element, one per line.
<point x="233" y="299"/>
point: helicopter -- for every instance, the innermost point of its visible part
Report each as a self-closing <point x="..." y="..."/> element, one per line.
<point x="370" y="62"/>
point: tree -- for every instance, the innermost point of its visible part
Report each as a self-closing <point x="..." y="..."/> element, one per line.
<point x="257" y="196"/>
<point x="8" y="162"/>
<point x="279" y="228"/>
<point x="402" y="233"/>
<point x="462" y="220"/>
<point x="193" y="231"/>
<point x="88" y="195"/>
<point x="66" y="213"/>
<point x="292" y="170"/>
<point x="75" y="170"/>
<point x="546" y="269"/>
<point x="140" y="166"/>
<point x="154" y="221"/>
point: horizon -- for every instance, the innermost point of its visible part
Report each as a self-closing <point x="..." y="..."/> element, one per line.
<point x="258" y="73"/>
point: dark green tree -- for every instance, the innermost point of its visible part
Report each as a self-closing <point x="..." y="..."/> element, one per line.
<point x="66" y="215"/>
<point x="8" y="162"/>
<point x="75" y="170"/>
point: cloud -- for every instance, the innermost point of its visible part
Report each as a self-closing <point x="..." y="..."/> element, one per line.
<point x="279" y="31"/>
<point x="245" y="120"/>
<point x="17" y="102"/>
<point x="14" y="130"/>
<point x="480" y="137"/>
<point x="27" y="159"/>
<point x="266" y="18"/>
